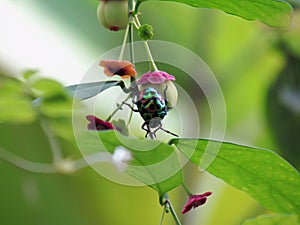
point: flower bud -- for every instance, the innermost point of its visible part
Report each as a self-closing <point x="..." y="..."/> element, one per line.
<point x="146" y="32"/>
<point x="113" y="14"/>
<point x="161" y="81"/>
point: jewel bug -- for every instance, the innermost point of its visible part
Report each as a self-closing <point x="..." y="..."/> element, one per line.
<point x="152" y="108"/>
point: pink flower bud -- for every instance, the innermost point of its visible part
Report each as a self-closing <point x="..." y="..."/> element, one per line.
<point x="159" y="80"/>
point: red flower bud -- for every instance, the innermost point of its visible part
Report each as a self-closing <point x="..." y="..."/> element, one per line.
<point x="98" y="124"/>
<point x="195" y="201"/>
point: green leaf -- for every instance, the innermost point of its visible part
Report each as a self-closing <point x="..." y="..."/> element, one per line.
<point x="28" y="74"/>
<point x="261" y="173"/>
<point x="15" y="106"/>
<point x="273" y="220"/>
<point x="154" y="163"/>
<point x="88" y="90"/>
<point x="271" y="12"/>
<point x="47" y="88"/>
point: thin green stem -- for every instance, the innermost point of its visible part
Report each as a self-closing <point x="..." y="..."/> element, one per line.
<point x="119" y="107"/>
<point x="27" y="164"/>
<point x="130" y="117"/>
<point x="163" y="215"/>
<point x="90" y="159"/>
<point x="170" y="206"/>
<point x="152" y="64"/>
<point x="136" y="8"/>
<point x="124" y="44"/>
<point x="175" y="217"/>
<point x="54" y="145"/>
<point x="188" y="192"/>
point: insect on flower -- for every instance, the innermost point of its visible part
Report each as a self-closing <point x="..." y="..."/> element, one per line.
<point x="152" y="108"/>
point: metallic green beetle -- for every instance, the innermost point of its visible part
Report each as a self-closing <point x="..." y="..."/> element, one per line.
<point x="152" y="108"/>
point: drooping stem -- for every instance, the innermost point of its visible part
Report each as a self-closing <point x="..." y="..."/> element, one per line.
<point x="27" y="164"/>
<point x="90" y="159"/>
<point x="119" y="107"/>
<point x="133" y="84"/>
<point x="167" y="203"/>
<point x="163" y="215"/>
<point x="152" y="64"/>
<point x="188" y="192"/>
<point x="130" y="117"/>
<point x="124" y="44"/>
<point x="54" y="145"/>
<point x="175" y="217"/>
<point x="131" y="47"/>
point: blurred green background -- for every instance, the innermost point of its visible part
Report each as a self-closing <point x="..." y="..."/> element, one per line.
<point x="258" y="68"/>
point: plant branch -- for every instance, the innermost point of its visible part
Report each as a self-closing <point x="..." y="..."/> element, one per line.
<point x="90" y="159"/>
<point x="27" y="164"/>
<point x="124" y="43"/>
<point x="119" y="107"/>
<point x="153" y="66"/>
<point x="54" y="145"/>
<point x="170" y="206"/>
<point x="188" y="192"/>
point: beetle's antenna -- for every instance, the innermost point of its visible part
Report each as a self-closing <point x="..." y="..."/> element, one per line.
<point x="169" y="132"/>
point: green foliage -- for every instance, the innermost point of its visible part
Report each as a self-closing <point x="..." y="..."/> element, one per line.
<point x="264" y="175"/>
<point x="15" y="104"/>
<point x="273" y="220"/>
<point x="283" y="108"/>
<point x="154" y="163"/>
<point x="271" y="12"/>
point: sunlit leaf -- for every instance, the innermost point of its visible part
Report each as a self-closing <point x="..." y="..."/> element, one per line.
<point x="154" y="163"/>
<point x="47" y="88"/>
<point x="273" y="220"/>
<point x="15" y="106"/>
<point x="88" y="90"/>
<point x="261" y="173"/>
<point x="271" y="12"/>
<point x="28" y="73"/>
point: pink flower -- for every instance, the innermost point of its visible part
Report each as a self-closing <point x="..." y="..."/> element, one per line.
<point x="98" y="124"/>
<point x="124" y="69"/>
<point x="195" y="201"/>
<point x="162" y="82"/>
<point x="156" y="77"/>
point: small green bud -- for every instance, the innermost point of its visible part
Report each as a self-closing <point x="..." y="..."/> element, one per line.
<point x="146" y="32"/>
<point x="113" y="14"/>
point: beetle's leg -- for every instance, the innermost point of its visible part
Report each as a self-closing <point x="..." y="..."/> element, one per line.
<point x="130" y="106"/>
<point x="145" y="129"/>
<point x="148" y="130"/>
<point x="160" y="128"/>
<point x="169" y="132"/>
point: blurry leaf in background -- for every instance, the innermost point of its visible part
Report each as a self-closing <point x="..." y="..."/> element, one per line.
<point x="283" y="99"/>
<point x="15" y="105"/>
<point x="271" y="12"/>
<point x="263" y="174"/>
<point x="273" y="220"/>
<point x="283" y="109"/>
